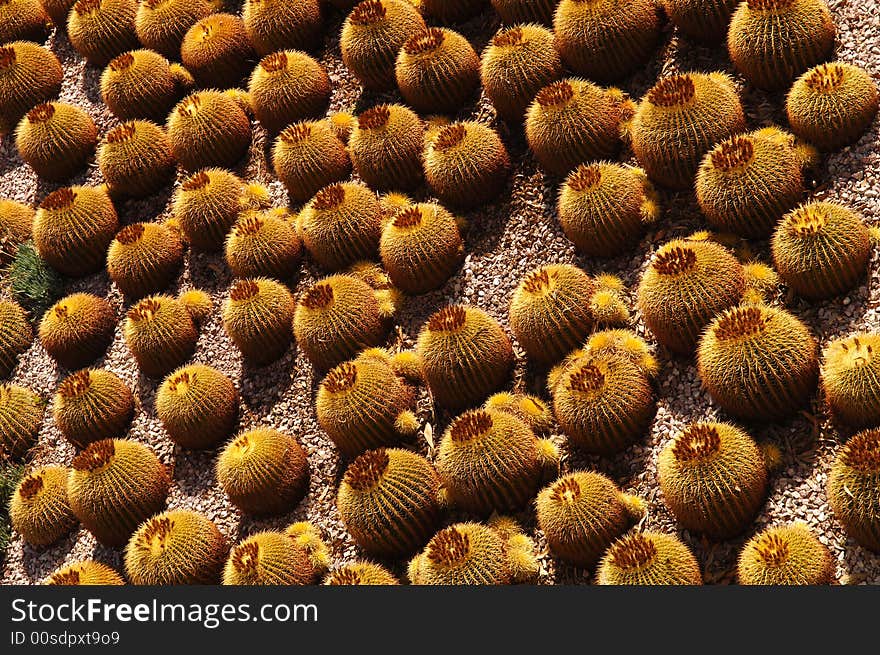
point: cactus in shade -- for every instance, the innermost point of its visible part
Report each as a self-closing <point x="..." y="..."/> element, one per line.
<point x="854" y="488"/>
<point x="714" y="479"/>
<point x="341" y="124"/>
<point x="850" y="376"/>
<point x="465" y="355"/>
<point x="29" y="75"/>
<point x="160" y="334"/>
<point x="56" y="140"/>
<point x="33" y="283"/>
<point x="606" y="39"/>
<point x="549" y="311"/>
<point x="16" y="226"/>
<point x="832" y="105"/>
<point x="389" y="501"/>
<point x="92" y="404"/>
<point x="371" y="37"/>
<point x="821" y="249"/>
<point x="747" y="182"/>
<point x="277" y="25"/>
<point x="609" y="306"/>
<point x="261" y="244"/>
<point x="15" y="335"/>
<point x="462" y="554"/>
<point x="263" y="472"/>
<point x="785" y="555"/>
<point x="449" y="11"/>
<point x="78" y="329"/>
<point x="216" y="51"/>
<point x="140" y="84"/>
<point x="208" y="128"/>
<point x="101" y="29"/>
<point x="114" y="485"/>
<point x="267" y="558"/>
<point x="39" y="510"/>
<point x="684" y="287"/>
<point x="308" y="156"/>
<point x="604" y="207"/>
<point x="518" y="62"/>
<point x="23" y="20"/>
<point x="490" y="460"/>
<point x="520" y="550"/>
<point x="307" y="537"/>
<point x="525" y="11"/>
<point x="21" y="416"/>
<point x="603" y="401"/>
<point x="341" y="224"/>
<point x="705" y="21"/>
<point x="360" y="573"/>
<point x="176" y="547"/>
<point x="207" y="205"/>
<point x="466" y="164"/>
<point x="572" y="121"/>
<point x="198" y="406"/>
<point x="771" y="42"/>
<point x="386" y="147"/>
<point x="135" y="159"/>
<point x="529" y="409"/>
<point x="144" y="258"/>
<point x="437" y="71"/>
<point x="161" y="24"/>
<point x="257" y="317"/>
<point x="86" y="572"/>
<point x="286" y="87"/>
<point x="421" y="248"/>
<point x="649" y="558"/>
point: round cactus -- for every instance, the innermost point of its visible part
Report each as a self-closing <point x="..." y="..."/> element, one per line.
<point x="854" y="488"/>
<point x="649" y="558"/>
<point x="462" y="554"/>
<point x="785" y="555"/>
<point x="747" y="182"/>
<point x="206" y="206"/>
<point x="286" y="87"/>
<point x="831" y="105"/>
<point x="16" y="224"/>
<point x="92" y="404"/>
<point x="386" y="147"/>
<point x="437" y="70"/>
<point x="821" y="249"/>
<point x="135" y="159"/>
<point x="177" y="547"/>
<point x="850" y="375"/>
<point x="606" y="39"/>
<point x="208" y="128"/>
<point x="518" y="62"/>
<point x="341" y="224"/>
<point x="160" y="334"/>
<point x="465" y="355"/>
<point x="582" y="513"/>
<point x="549" y="311"/>
<point x="23" y="20"/>
<point x="267" y="558"/>
<point x="421" y="248"/>
<point x="144" y="258"/>
<point x="198" y="406"/>
<point x="263" y="472"/>
<point x="101" y="29"/>
<point x="529" y="409"/>
<point x="705" y="21"/>
<point x="684" y="287"/>
<point x="371" y="37"/>
<point x="771" y="42"/>
<point x="389" y="501"/>
<point x="525" y="11"/>
<point x="198" y="303"/>
<point x="627" y="343"/>
<point x="603" y="207"/>
<point x="114" y="485"/>
<point x="466" y="164"/>
<point x="161" y="24"/>
<point x="257" y="316"/>
<point x="680" y="118"/>
<point x="29" y="75"/>
<point x="713" y="478"/>
<point x="77" y="330"/>
<point x="140" y="84"/>
<point x="56" y="140"/>
<point x="277" y="25"/>
<point x="216" y="51"/>
<point x="15" y="335"/>
<point x="389" y="296"/>
<point x="21" y="416"/>
<point x="308" y="156"/>
<point x="261" y="244"/>
<point x="360" y="573"/>
<point x="86" y="572"/>
<point x="39" y="510"/>
<point x="73" y="228"/>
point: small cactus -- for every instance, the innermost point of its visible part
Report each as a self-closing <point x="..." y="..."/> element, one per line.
<point x="77" y="330"/>
<point x="208" y="128"/>
<point x="161" y="24"/>
<point x="360" y="573"/>
<point x="262" y="245"/>
<point x="29" y="75"/>
<point x="462" y="554"/>
<point x="160" y="334"/>
<point x="140" y="84"/>
<point x="135" y="159"/>
<point x="144" y="258"/>
<point x="39" y="510"/>
<point x="386" y="147"/>
<point x="525" y="11"/>
<point x="627" y="343"/>
<point x="198" y="406"/>
<point x="389" y="296"/>
<point x="101" y="29"/>
<point x="198" y="303"/>
<point x="821" y="249"/>
<point x="762" y="283"/>
<point x="277" y="25"/>
<point x="56" y="140"/>
<point x="308" y="538"/>
<point x="23" y="20"/>
<point x="465" y="355"/>
<point x="216" y="51"/>
<point x="308" y="156"/>
<point x="771" y="42"/>
<point x="86" y="572"/>
<point x="850" y="376"/>
<point x="389" y="501"/>
<point x="15" y="335"/>
<point x="785" y="555"/>
<point x="267" y="558"/>
<point x="529" y="409"/>
<point x="705" y="21"/>
<point x="115" y="484"/>
<point x="286" y="87"/>
<point x="21" y="416"/>
<point x="257" y="316"/>
<point x="466" y="164"/>
<point x="263" y="472"/>
<point x="176" y="547"/>
<point x="684" y="287"/>
<point x="649" y="558"/>
<point x="207" y="205"/>
<point x="854" y="488"/>
<point x="92" y="404"/>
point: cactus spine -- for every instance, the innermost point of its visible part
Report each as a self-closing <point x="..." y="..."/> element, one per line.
<point x="135" y="159"/>
<point x="160" y="333"/>
<point x="257" y="316"/>
<point x="308" y="156"/>
<point x="208" y="128"/>
<point x="29" y="75"/>
<point x="462" y="554"/>
<point x="288" y="86"/>
<point x="144" y="258"/>
<point x="275" y="24"/>
<point x="101" y="29"/>
<point x="850" y="376"/>
<point x="705" y="21"/>
<point x="140" y="84"/>
<point x="15" y="335"/>
<point x="386" y="147"/>
<point x="21" y="416"/>
<point x="360" y="573"/>
<point x="263" y="245"/>
<point x="216" y="51"/>
<point x="161" y="24"/>
<point x="267" y="558"/>
<point x="56" y="140"/>
<point x="87" y="572"/>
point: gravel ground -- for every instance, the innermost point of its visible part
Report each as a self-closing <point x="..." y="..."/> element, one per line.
<point x="504" y="241"/>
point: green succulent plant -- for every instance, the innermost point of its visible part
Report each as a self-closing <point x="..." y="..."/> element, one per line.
<point x="785" y="555"/>
<point x="34" y="284"/>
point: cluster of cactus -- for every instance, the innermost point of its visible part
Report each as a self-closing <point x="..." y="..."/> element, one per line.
<point x="77" y="330"/>
<point x="208" y="128"/>
<point x="160" y="334"/>
<point x="15" y="335"/>
<point x="308" y="538"/>
<point x="39" y="509"/>
<point x="258" y="317"/>
<point x="91" y="405"/>
<point x="198" y="406"/>
<point x="275" y="24"/>
<point x="785" y="555"/>
<point x="649" y="558"/>
<point x="386" y="147"/>
<point x="142" y="84"/>
<point x="529" y="409"/>
<point x="86" y="572"/>
<point x="288" y="86"/>
<point x="854" y="488"/>
<point x="850" y="377"/>
<point x="144" y="258"/>
<point x="29" y="75"/>
<point x="56" y="139"/>
<point x="308" y="156"/>
<point x="609" y="303"/>
<point x="217" y="51"/>
<point x="267" y="558"/>
<point x="21" y="416"/>
<point x="135" y="159"/>
<point x="101" y="29"/>
<point x="161" y="24"/>
<point x="525" y="11"/>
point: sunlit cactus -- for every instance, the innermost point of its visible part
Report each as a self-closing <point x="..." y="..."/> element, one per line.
<point x="23" y="20"/>
<point x="529" y="409"/>
<point x="286" y="87"/>
<point x="21" y="416"/>
<point x="15" y="335"/>
<point x="277" y="25"/>
<point x="308" y="156"/>
<point x="78" y="329"/>
<point x="135" y="159"/>
<point x="92" y="404"/>
<point x="462" y="554"/>
<point x="649" y="558"/>
<point x="360" y="573"/>
<point x="261" y="244"/>
<point x="198" y="406"/>
<point x="208" y="128"/>
<point x="39" y="510"/>
<point x="101" y="29"/>
<point x="850" y="376"/>
<point x="56" y="139"/>
<point x="785" y="555"/>
<point x="16" y="227"/>
<point x="267" y="558"/>
<point x="161" y="24"/>
<point x="29" y="75"/>
<point x="160" y="334"/>
<point x="258" y="318"/>
<point x="308" y="538"/>
<point x="144" y="258"/>
<point x="853" y="486"/>
<point x="140" y="84"/>
<point x="207" y="205"/>
<point x="386" y="147"/>
<point x="217" y="51"/>
<point x="86" y="572"/>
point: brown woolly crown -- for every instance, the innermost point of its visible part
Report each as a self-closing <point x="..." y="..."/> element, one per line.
<point x="97" y="455"/>
<point x="632" y="551"/>
<point x="674" y="261"/>
<point x="741" y="322"/>
<point x="342" y="378"/>
<point x="155" y="533"/>
<point x="672" y="91"/>
<point x="450" y="136"/>
<point x="768" y="5"/>
<point x="557" y="93"/>
<point x="368" y="12"/>
<point x="374" y="118"/>
<point x="31" y="485"/>
<point x="275" y="62"/>
<point x="409" y="217"/>
<point x="83" y="7"/>
<point x="808" y="220"/>
<point x="246" y="557"/>
<point x="65" y="578"/>
<point x="195" y="182"/>
<point x="121" y="133"/>
<point x="732" y="154"/>
<point x="346" y="576"/>
<point x="318" y="297"/>
<point x="145" y="310"/>
<point x="566" y="490"/>
<point x="190" y="107"/>
<point x="470" y="426"/>
<point x="826" y="78"/>
<point x="60" y="311"/>
<point x="588" y="379"/>
<point x="296" y="133"/>
<point x="425" y="41"/>
<point x="448" y="319"/>
<point x="7" y="56"/>
<point x="449" y="547"/>
<point x="122" y="62"/>
<point x="511" y="37"/>
<point x="181" y="383"/>
<point x="862" y="452"/>
<point x="41" y="113"/>
<point x="130" y="234"/>
<point x="697" y="442"/>
<point x="772" y="550"/>
<point x="249" y="225"/>
<point x="366" y="471"/>
<point x="244" y="290"/>
<point x="60" y="199"/>
<point x="585" y="178"/>
<point x="537" y="282"/>
<point x="329" y="197"/>
<point x="76" y="384"/>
